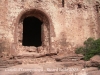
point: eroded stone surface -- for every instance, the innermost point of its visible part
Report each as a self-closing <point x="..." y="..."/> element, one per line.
<point x="66" y="25"/>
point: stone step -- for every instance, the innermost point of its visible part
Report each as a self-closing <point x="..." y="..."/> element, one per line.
<point x="34" y="55"/>
<point x="68" y="58"/>
<point x="8" y="63"/>
<point x="3" y="66"/>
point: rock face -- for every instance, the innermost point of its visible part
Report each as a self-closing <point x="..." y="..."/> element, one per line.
<point x="65" y="24"/>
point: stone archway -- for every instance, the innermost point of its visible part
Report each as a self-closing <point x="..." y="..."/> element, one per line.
<point x="45" y="32"/>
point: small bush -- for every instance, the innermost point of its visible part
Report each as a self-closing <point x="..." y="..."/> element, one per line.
<point x="80" y="50"/>
<point x="91" y="47"/>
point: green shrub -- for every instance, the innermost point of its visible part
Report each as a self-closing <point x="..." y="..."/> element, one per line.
<point x="91" y="47"/>
<point x="80" y="50"/>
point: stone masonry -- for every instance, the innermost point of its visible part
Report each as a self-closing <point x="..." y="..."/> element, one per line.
<point x="66" y="24"/>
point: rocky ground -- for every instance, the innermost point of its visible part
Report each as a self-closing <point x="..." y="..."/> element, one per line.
<point x="49" y="65"/>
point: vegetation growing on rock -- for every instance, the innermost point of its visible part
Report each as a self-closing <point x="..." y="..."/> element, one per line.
<point x="91" y="47"/>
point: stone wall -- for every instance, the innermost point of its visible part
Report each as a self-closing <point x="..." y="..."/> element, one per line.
<point x="70" y="22"/>
<point x="4" y="28"/>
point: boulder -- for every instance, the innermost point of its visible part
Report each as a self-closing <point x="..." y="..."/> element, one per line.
<point x="95" y="58"/>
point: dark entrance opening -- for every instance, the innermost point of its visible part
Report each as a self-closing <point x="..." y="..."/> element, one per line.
<point x="32" y="32"/>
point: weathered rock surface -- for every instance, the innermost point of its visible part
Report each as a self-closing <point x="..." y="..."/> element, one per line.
<point x="48" y="69"/>
<point x="94" y="73"/>
<point x="95" y="59"/>
<point x="65" y="24"/>
<point x="48" y="66"/>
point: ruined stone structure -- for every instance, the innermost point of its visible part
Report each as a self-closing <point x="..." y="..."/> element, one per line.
<point x="63" y="24"/>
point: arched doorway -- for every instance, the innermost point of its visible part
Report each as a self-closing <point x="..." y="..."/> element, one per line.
<point x="33" y="30"/>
